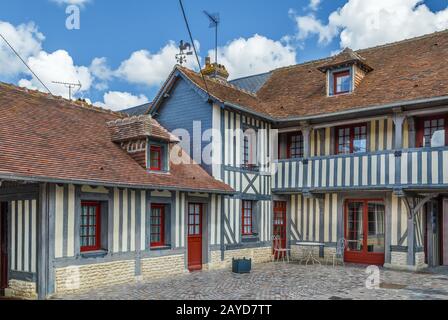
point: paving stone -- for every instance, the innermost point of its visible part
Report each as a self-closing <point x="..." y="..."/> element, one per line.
<point x="279" y="281"/>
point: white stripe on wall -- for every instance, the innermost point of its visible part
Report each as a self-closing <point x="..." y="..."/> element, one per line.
<point x="445" y="167"/>
<point x="435" y="167"/>
<point x="33" y="235"/>
<point x="13" y="235"/>
<point x="404" y="168"/>
<point x="116" y="220"/>
<point x="19" y="238"/>
<point x="59" y="222"/>
<point x="334" y="217"/>
<point x="26" y="248"/>
<point x="132" y="221"/>
<point x="143" y="220"/>
<point x="71" y="222"/>
<point x="424" y="167"/>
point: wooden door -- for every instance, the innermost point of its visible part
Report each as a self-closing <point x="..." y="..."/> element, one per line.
<point x="3" y="246"/>
<point x="280" y="222"/>
<point x="365" y="231"/>
<point x="195" y="236"/>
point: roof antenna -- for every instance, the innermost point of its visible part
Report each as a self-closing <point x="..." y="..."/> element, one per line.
<point x="70" y="87"/>
<point x="214" y="23"/>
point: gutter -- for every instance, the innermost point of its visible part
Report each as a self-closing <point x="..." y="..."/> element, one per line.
<point x="4" y="176"/>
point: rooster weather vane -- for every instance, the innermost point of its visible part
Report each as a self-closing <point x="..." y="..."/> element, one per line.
<point x="184" y="51"/>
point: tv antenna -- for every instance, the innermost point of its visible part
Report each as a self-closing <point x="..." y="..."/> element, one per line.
<point x="214" y="23"/>
<point x="184" y="51"/>
<point x="70" y="87"/>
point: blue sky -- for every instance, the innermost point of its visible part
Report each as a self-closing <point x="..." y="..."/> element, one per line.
<point x="130" y="40"/>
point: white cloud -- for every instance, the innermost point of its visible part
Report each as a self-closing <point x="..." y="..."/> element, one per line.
<point x="144" y="67"/>
<point x="116" y="100"/>
<point x="102" y="72"/>
<point x="27" y="41"/>
<point x="69" y="2"/>
<point x="258" y="54"/>
<point x="361" y="24"/>
<point x="314" y="4"/>
<point x="56" y="66"/>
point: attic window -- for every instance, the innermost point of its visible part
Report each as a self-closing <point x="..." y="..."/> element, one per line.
<point x="341" y="82"/>
<point x="155" y="158"/>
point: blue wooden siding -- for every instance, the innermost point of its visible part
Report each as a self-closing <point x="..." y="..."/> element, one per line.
<point x="181" y="109"/>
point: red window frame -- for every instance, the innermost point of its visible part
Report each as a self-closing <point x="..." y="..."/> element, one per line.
<point x="157" y="150"/>
<point x="290" y="145"/>
<point x="161" y="225"/>
<point x="352" y="136"/>
<point x="421" y="128"/>
<point x="247" y="218"/>
<point x="97" y="206"/>
<point x="336" y="76"/>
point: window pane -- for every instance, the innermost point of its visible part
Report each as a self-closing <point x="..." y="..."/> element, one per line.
<point x="376" y="234"/>
<point x="434" y="133"/>
<point x="342" y="82"/>
<point x="355" y="226"/>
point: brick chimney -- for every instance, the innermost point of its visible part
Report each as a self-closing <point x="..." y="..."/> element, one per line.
<point x="214" y="70"/>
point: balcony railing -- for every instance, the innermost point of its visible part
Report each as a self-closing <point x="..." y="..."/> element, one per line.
<point x="410" y="169"/>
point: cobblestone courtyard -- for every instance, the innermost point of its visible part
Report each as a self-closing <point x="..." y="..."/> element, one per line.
<point x="279" y="282"/>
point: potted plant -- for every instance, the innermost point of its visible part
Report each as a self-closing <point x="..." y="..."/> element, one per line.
<point x="241" y="265"/>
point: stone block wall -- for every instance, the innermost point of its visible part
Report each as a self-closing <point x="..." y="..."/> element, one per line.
<point x="155" y="268"/>
<point x="22" y="289"/>
<point x="78" y="278"/>
<point x="258" y="255"/>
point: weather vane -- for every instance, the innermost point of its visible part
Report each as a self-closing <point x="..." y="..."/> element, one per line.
<point x="184" y="51"/>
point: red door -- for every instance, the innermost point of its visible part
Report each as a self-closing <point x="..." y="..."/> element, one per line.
<point x="194" y="237"/>
<point x="280" y="222"/>
<point x="3" y="247"/>
<point x="365" y="231"/>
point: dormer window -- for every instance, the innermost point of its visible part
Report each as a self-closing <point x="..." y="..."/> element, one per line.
<point x="341" y="82"/>
<point x="155" y="158"/>
<point x="344" y="72"/>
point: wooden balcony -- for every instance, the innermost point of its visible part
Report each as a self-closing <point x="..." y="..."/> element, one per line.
<point x="418" y="169"/>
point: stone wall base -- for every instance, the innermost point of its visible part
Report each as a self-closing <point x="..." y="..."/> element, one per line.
<point x="297" y="253"/>
<point x="399" y="261"/>
<point x="156" y="268"/>
<point x="258" y="255"/>
<point x="79" y="278"/>
<point x="21" y="289"/>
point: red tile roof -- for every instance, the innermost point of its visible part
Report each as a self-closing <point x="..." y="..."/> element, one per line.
<point x="45" y="138"/>
<point x="404" y="71"/>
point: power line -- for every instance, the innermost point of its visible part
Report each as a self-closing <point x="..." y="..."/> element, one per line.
<point x="23" y="61"/>
<point x="194" y="46"/>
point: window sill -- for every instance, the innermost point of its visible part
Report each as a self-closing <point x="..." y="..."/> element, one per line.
<point x="94" y="254"/>
<point x="161" y="248"/>
<point x="250" y="169"/>
<point x="250" y="238"/>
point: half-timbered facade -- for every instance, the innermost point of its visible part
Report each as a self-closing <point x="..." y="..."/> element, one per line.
<point x="91" y="198"/>
<point x="351" y="147"/>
